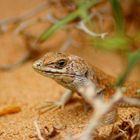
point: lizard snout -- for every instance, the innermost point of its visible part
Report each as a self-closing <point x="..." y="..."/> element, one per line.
<point x="37" y="64"/>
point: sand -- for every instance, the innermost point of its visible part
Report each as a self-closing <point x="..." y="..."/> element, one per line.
<point x="26" y="88"/>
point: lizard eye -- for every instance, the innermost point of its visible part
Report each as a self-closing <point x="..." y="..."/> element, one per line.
<point x="61" y="63"/>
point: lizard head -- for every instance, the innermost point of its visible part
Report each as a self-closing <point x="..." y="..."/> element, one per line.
<point x="62" y="67"/>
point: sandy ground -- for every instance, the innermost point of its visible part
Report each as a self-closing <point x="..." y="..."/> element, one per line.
<point x="25" y="87"/>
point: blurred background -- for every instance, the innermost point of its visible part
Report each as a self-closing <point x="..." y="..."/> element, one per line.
<point x="104" y="32"/>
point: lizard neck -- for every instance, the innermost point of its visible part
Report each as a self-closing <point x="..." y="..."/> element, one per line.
<point x="102" y="78"/>
<point x="104" y="81"/>
<point x="107" y="83"/>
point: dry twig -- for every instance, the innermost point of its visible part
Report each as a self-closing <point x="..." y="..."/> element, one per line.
<point x="101" y="107"/>
<point x="129" y="101"/>
<point x="66" y="44"/>
<point x="42" y="134"/>
<point x="23" y="25"/>
<point x="39" y="135"/>
<point x="14" y="20"/>
<point x="23" y="59"/>
<point x="83" y="27"/>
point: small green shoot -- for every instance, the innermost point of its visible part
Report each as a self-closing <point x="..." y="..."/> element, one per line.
<point x="81" y="12"/>
<point x="133" y="59"/>
<point x="138" y="91"/>
<point x="119" y="18"/>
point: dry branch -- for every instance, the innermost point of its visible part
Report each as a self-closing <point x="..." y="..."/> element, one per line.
<point x="83" y="27"/>
<point x="14" y="20"/>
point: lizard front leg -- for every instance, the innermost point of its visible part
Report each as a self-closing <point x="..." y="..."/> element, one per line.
<point x="56" y="104"/>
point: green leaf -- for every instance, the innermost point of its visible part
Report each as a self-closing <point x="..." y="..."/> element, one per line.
<point x="119" y="18"/>
<point x="84" y="7"/>
<point x="49" y="32"/>
<point x="138" y="91"/>
<point x="80" y="12"/>
<point x="133" y="59"/>
<point x="113" y="43"/>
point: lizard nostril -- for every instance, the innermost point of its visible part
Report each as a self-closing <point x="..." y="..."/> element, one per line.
<point x="37" y="64"/>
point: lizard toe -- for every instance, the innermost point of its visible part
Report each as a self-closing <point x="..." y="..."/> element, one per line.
<point x="49" y="106"/>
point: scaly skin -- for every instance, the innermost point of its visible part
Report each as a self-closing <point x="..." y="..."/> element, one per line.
<point x="73" y="72"/>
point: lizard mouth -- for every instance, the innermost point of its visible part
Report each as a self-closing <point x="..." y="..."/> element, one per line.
<point x="59" y="73"/>
<point x="56" y="73"/>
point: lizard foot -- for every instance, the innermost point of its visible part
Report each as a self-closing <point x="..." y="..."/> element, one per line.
<point x="50" y="106"/>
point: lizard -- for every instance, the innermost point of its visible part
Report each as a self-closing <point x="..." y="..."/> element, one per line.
<point x="73" y="72"/>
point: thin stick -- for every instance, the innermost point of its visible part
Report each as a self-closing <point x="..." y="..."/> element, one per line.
<point x="83" y="27"/>
<point x="38" y="131"/>
<point x="131" y="101"/>
<point x="30" y="22"/>
<point x="24" y="58"/>
<point x="66" y="44"/>
<point x="12" y="20"/>
<point x="101" y="108"/>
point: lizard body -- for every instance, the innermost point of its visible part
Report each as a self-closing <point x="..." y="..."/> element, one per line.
<point x="73" y="72"/>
